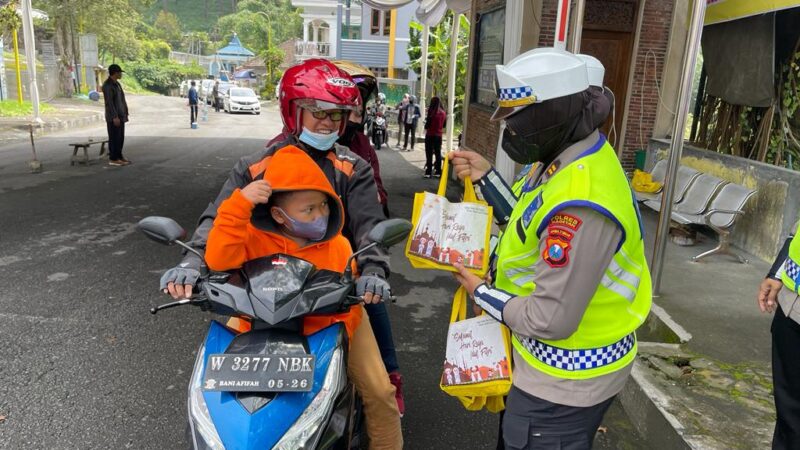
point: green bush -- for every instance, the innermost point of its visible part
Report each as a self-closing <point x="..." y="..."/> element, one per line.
<point x="162" y="75"/>
<point x="154" y="50"/>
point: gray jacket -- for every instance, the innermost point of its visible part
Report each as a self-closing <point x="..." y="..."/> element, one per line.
<point x="114" y="98"/>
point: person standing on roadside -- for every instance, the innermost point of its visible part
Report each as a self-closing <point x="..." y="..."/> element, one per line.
<point x="116" y="115"/>
<point x="192" y="104"/>
<point x="410" y="122"/>
<point x="779" y="293"/>
<point x="435" y="121"/>
<point x="401" y="117"/>
<point x="215" y="95"/>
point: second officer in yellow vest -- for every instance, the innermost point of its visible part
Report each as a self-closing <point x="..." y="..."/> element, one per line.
<point x="569" y="275"/>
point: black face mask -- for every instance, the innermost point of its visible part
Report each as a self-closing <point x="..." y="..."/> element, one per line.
<point x="350" y="131"/>
<point x="541" y="145"/>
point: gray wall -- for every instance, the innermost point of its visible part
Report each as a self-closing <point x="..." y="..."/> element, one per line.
<point x="404" y="17"/>
<point x="769" y="216"/>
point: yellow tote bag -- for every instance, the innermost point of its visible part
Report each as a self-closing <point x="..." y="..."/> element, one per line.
<point x="446" y="233"/>
<point x="477" y="366"/>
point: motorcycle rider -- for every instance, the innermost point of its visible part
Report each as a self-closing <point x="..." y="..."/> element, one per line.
<point x="354" y="138"/>
<point x="569" y="275"/>
<point x="319" y="86"/>
<point x="294" y="210"/>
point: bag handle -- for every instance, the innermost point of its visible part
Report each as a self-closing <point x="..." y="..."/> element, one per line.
<point x="459" y="311"/>
<point x="469" y="189"/>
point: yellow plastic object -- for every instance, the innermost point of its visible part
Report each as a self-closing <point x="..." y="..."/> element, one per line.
<point x="643" y="182"/>
<point x="436" y="260"/>
<point x="483" y="394"/>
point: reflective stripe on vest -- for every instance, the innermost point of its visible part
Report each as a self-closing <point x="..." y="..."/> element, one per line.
<point x="575" y="360"/>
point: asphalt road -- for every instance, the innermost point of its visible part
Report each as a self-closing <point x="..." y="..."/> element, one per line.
<point x="83" y="365"/>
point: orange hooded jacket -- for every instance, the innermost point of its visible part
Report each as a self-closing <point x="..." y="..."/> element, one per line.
<point x="243" y="231"/>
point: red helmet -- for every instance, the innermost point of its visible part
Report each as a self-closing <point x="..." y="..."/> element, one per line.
<point x="316" y="84"/>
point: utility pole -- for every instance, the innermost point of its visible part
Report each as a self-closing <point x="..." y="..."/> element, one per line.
<point x="392" y="38"/>
<point x="30" y="55"/>
<point x="17" y="65"/>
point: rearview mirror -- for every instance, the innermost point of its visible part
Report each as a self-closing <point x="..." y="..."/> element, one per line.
<point x="161" y="229"/>
<point x="390" y="232"/>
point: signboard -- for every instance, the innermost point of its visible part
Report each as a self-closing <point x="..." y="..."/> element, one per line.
<point x="490" y="38"/>
<point x="48" y="53"/>
<point x="718" y="11"/>
<point x="89" y="50"/>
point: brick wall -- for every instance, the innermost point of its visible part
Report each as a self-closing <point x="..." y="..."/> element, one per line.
<point x="480" y="134"/>
<point x="654" y="36"/>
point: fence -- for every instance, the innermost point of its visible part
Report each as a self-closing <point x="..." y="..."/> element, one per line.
<point x="47" y="80"/>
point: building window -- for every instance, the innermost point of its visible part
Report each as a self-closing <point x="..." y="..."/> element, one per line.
<point x="387" y="22"/>
<point x="488" y="53"/>
<point x="375" y="23"/>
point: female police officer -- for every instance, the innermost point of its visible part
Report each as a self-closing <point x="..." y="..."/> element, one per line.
<point x="569" y="276"/>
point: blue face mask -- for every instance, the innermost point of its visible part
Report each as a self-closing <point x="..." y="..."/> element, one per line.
<point x="318" y="140"/>
<point x="313" y="231"/>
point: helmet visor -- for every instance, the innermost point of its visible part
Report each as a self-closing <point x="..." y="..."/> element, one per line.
<point x="319" y="105"/>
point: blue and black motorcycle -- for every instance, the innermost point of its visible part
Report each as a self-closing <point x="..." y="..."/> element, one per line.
<point x="271" y="387"/>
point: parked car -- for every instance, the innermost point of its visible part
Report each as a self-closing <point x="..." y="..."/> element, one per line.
<point x="240" y="99"/>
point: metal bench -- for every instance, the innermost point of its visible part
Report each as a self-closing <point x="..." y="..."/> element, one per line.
<point x="84" y="159"/>
<point x="685" y="181"/>
<point x="721" y="216"/>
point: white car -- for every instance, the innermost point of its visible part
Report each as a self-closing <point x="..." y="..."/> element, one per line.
<point x="240" y="99"/>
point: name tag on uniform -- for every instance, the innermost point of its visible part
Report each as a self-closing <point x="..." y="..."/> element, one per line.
<point x="527" y="216"/>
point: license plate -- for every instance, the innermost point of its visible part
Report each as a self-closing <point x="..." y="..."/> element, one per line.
<point x="259" y="373"/>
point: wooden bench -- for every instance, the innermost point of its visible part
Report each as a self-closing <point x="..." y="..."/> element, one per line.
<point x="84" y="159"/>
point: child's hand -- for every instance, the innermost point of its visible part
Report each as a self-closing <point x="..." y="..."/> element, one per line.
<point x="257" y="192"/>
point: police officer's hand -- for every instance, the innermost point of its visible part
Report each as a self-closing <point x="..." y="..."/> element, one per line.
<point x="257" y="192"/>
<point x="469" y="164"/>
<point x="116" y="121"/>
<point x="768" y="294"/>
<point x="469" y="280"/>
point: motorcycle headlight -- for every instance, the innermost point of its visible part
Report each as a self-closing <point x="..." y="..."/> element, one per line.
<point x="306" y="431"/>
<point x="204" y="434"/>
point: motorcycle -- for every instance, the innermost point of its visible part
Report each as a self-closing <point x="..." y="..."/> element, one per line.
<point x="379" y="131"/>
<point x="273" y="387"/>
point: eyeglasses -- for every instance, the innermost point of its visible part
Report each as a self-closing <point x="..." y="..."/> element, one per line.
<point x="335" y="115"/>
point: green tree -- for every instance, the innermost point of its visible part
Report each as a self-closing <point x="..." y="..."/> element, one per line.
<point x="439" y="57"/>
<point x="168" y="28"/>
<point x="250" y="24"/>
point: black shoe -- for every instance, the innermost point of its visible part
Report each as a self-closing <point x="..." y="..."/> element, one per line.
<point x="437" y="175"/>
<point x="427" y="175"/>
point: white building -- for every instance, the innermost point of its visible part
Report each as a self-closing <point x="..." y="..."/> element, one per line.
<point x="366" y="41"/>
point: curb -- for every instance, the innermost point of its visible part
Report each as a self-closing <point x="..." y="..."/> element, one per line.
<point x="645" y="405"/>
<point x="60" y="125"/>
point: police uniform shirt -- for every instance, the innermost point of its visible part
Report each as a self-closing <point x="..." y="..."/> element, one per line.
<point x="563" y="291"/>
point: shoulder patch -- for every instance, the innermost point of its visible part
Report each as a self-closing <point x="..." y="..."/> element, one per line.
<point x="556" y="251"/>
<point x="565" y="220"/>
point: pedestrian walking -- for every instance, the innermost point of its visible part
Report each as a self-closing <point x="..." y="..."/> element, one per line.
<point x="193" y="104"/>
<point x="779" y="294"/>
<point x="401" y="117"/>
<point x="569" y="276"/>
<point x="215" y="95"/>
<point x="435" y="121"/>
<point x="410" y="122"/>
<point x="116" y="115"/>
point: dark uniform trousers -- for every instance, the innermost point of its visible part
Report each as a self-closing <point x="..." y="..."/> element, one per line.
<point x="116" y="139"/>
<point x="533" y="423"/>
<point x="786" y="381"/>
